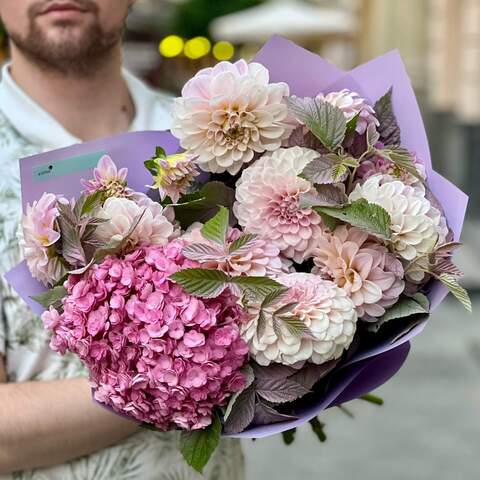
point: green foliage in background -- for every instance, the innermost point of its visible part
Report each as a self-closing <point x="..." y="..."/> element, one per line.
<point x="193" y="17"/>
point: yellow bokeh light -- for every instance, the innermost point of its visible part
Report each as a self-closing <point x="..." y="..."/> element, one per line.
<point x="197" y="47"/>
<point x="223" y="50"/>
<point x="171" y="46"/>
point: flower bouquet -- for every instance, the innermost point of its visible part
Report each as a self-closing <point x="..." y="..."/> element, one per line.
<point x="292" y="240"/>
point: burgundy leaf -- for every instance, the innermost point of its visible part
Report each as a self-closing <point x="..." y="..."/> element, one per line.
<point x="265" y="415"/>
<point x="280" y="390"/>
<point x="242" y="412"/>
<point x="310" y="374"/>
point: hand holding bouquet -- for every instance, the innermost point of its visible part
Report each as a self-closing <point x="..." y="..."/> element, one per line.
<point x="293" y="242"/>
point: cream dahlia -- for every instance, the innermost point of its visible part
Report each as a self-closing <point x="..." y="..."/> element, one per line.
<point x="267" y="202"/>
<point x="229" y="112"/>
<point x="370" y="275"/>
<point x="351" y="104"/>
<point x="39" y="233"/>
<point x="327" y="314"/>
<point x="416" y="225"/>
<point x="257" y="258"/>
<point x="153" y="228"/>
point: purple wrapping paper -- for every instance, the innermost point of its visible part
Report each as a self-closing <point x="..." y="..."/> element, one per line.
<point x="307" y="74"/>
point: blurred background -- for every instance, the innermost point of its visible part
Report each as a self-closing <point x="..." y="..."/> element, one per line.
<point x="429" y="427"/>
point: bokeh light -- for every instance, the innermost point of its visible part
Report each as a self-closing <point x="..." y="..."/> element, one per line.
<point x="223" y="50"/>
<point x="197" y="47"/>
<point x="171" y="46"/>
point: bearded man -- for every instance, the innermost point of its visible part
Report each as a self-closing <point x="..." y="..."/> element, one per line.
<point x="65" y="84"/>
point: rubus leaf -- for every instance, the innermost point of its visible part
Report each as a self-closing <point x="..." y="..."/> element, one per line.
<point x="324" y="120"/>
<point x="339" y="172"/>
<point x="216" y="228"/>
<point x="272" y="371"/>
<point x="320" y="170"/>
<point x="260" y="286"/>
<point x="266" y="415"/>
<point x="352" y="124"/>
<point x="201" y="282"/>
<point x="446" y="265"/>
<point x="285" y="308"/>
<point x="456" y="290"/>
<point x="289" y="436"/>
<point x="90" y="203"/>
<point x="51" y="298"/>
<point x="242" y="244"/>
<point x="280" y="390"/>
<point x="325" y="196"/>
<point x="247" y="370"/>
<point x="317" y="428"/>
<point x="242" y="413"/>
<point x="197" y="446"/>
<point x="405" y="307"/>
<point x="447" y="248"/>
<point x="72" y="249"/>
<point x="367" y="216"/>
<point x="299" y="138"/>
<point x="402" y="159"/>
<point x="388" y="128"/>
<point x="201" y="206"/>
<point x="202" y="252"/>
<point x="311" y="374"/>
<point x="295" y="326"/>
<point x="372" y="136"/>
<point x="273" y="297"/>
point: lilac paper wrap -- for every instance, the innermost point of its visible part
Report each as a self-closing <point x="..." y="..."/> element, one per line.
<point x="306" y="74"/>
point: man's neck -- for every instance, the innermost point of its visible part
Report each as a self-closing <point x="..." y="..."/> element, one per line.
<point x="90" y="107"/>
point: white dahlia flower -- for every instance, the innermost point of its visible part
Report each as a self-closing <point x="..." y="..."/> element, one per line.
<point x="416" y="225"/>
<point x="153" y="228"/>
<point x="228" y="112"/>
<point x="267" y="202"/>
<point x="351" y="104"/>
<point x="328" y="316"/>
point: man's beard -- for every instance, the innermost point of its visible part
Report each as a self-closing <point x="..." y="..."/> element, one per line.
<point x="79" y="55"/>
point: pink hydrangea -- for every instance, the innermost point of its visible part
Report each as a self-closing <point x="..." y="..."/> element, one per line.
<point x="154" y="352"/>
<point x="39" y="234"/>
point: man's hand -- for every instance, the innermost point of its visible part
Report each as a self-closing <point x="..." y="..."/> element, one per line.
<point x="48" y="423"/>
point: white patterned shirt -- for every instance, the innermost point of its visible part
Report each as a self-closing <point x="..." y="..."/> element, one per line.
<point x="27" y="129"/>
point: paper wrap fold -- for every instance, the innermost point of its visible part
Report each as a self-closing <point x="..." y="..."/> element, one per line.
<point x="307" y="74"/>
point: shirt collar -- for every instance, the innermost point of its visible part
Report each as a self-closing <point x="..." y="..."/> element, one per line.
<point x="41" y="129"/>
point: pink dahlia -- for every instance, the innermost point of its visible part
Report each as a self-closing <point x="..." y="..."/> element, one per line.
<point x="351" y="104"/>
<point x="256" y="258"/>
<point x="371" y="276"/>
<point x="228" y="112"/>
<point x="267" y="202"/>
<point x="154" y="352"/>
<point x="39" y="234"/>
<point x="107" y="178"/>
<point x="325" y="312"/>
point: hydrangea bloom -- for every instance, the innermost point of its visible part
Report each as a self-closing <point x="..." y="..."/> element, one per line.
<point x="416" y="225"/>
<point x="154" y="352"/>
<point x="267" y="201"/>
<point x="228" y="112"/>
<point x="107" y="178"/>
<point x="324" y="309"/>
<point x="371" y="276"/>
<point x="257" y="258"/>
<point x="175" y="174"/>
<point x="153" y="227"/>
<point x="351" y="104"/>
<point x="39" y="234"/>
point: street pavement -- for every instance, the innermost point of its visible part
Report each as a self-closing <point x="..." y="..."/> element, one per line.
<point x="428" y="428"/>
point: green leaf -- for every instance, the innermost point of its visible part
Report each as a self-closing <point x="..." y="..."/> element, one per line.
<point x="295" y="326"/>
<point x="402" y="159"/>
<point x="197" y="446"/>
<point x="242" y="243"/>
<point x="51" y="298"/>
<point x="216" y="228"/>
<point x="201" y="282"/>
<point x="456" y="290"/>
<point x="388" y="128"/>
<point x="324" y="120"/>
<point x="151" y="166"/>
<point x="407" y="306"/>
<point x="329" y="222"/>
<point x="352" y="124"/>
<point x="317" y="428"/>
<point x="160" y="153"/>
<point x="273" y="297"/>
<point x="289" y="436"/>
<point x="260" y="286"/>
<point x="91" y="203"/>
<point x="369" y="397"/>
<point x="339" y="172"/>
<point x="201" y="206"/>
<point x="367" y="216"/>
